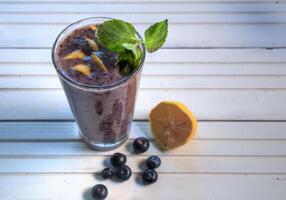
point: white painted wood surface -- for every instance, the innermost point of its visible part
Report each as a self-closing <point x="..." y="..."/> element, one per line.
<point x="199" y="186"/>
<point x="200" y="35"/>
<point x="207" y="104"/>
<point x="205" y="79"/>
<point x="219" y="158"/>
<point x="210" y="130"/>
<point x="224" y="59"/>
<point x="232" y="49"/>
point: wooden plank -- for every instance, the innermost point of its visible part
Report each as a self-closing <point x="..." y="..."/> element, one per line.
<point x="207" y="18"/>
<point x="188" y="186"/>
<point x="164" y="62"/>
<point x="134" y="1"/>
<point x="163" y="68"/>
<point x="177" y="56"/>
<point x="158" y="7"/>
<point x="207" y="130"/>
<point x="48" y="130"/>
<point x="170" y="164"/>
<point x="160" y="82"/>
<point x="201" y="35"/>
<point x="211" y="104"/>
<point x="196" y="148"/>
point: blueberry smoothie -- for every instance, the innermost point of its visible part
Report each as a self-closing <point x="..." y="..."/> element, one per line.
<point x="100" y="87"/>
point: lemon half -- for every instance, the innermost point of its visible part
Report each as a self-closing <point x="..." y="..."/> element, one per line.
<point x="172" y="124"/>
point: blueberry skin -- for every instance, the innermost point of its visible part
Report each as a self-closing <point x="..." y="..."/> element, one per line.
<point x="99" y="192"/>
<point x="118" y="159"/>
<point x="107" y="173"/>
<point x="82" y="44"/>
<point x="153" y="162"/>
<point x="150" y="176"/>
<point x="87" y="59"/>
<point x="141" y="145"/>
<point x="123" y="173"/>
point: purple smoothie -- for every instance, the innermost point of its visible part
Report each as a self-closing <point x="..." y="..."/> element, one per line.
<point x="102" y="102"/>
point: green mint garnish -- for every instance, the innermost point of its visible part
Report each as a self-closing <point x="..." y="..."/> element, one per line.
<point x="112" y="34"/>
<point x="156" y="35"/>
<point x="120" y="36"/>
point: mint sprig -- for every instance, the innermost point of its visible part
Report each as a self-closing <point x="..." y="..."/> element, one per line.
<point x="112" y="34"/>
<point x="155" y="36"/>
<point x="121" y="37"/>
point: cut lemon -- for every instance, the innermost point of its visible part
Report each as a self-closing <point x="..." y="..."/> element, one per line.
<point x="172" y="124"/>
<point x="99" y="62"/>
<point x="77" y="54"/>
<point x="92" y="44"/>
<point x="83" y="69"/>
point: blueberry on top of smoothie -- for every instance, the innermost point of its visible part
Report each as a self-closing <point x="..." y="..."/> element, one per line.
<point x="100" y="54"/>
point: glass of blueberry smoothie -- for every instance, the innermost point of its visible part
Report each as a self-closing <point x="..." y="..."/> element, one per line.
<point x="99" y="63"/>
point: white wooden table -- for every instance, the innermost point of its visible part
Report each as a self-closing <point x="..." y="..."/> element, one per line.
<point x="225" y="59"/>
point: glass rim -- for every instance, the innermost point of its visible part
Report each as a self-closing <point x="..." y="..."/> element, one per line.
<point x="88" y="86"/>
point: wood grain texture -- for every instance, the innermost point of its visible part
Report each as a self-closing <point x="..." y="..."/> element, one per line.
<point x="67" y="169"/>
<point x="224" y="59"/>
<point x="195" y="148"/>
<point x="159" y="82"/>
<point x="142" y="7"/>
<point x="170" y="164"/>
<point x="192" y="18"/>
<point x="190" y="66"/>
<point x="163" y="69"/>
<point x="211" y="104"/>
<point x="60" y="131"/>
<point x="136" y="1"/>
<point x="198" y="35"/>
<point x="200" y="186"/>
<point x="177" y="56"/>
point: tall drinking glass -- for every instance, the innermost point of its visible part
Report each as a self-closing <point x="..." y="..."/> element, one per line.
<point x="103" y="113"/>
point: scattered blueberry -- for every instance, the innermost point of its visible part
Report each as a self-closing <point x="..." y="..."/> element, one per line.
<point x="150" y="176"/>
<point x="107" y="173"/>
<point x="153" y="162"/>
<point x="141" y="145"/>
<point x="123" y="173"/>
<point x="118" y="159"/>
<point x="99" y="192"/>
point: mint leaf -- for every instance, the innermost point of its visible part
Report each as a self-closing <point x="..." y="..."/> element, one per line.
<point x="113" y="33"/>
<point x="136" y="53"/>
<point x="132" y="56"/>
<point x="121" y="37"/>
<point x="125" y="62"/>
<point x="156" y="35"/>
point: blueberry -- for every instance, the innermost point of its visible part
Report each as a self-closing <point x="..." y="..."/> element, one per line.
<point x="77" y="42"/>
<point x="87" y="59"/>
<point x="99" y="192"/>
<point x="118" y="159"/>
<point x="123" y="173"/>
<point x="150" y="176"/>
<point x="107" y="173"/>
<point x="82" y="44"/>
<point x="141" y="145"/>
<point x="153" y="162"/>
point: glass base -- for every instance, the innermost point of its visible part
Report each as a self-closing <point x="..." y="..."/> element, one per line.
<point x="101" y="146"/>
